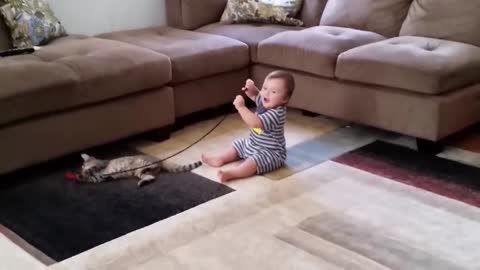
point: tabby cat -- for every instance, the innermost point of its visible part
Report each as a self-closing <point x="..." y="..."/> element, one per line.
<point x="98" y="170"/>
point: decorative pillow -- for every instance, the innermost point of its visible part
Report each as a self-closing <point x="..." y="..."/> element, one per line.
<point x="384" y="17"/>
<point x="457" y="20"/>
<point x="31" y="22"/>
<point x="263" y="11"/>
<point x="5" y="43"/>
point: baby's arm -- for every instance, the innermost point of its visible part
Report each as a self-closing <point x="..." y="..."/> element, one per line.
<point x="250" y="118"/>
<point x="250" y="89"/>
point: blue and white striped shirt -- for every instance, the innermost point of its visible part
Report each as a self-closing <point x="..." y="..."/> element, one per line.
<point x="271" y="136"/>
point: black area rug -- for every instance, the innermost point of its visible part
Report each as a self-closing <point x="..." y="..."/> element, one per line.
<point x="61" y="218"/>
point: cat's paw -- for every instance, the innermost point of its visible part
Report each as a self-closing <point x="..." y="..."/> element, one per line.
<point x="145" y="181"/>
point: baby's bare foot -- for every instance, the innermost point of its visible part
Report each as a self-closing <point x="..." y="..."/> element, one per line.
<point x="212" y="161"/>
<point x="223" y="176"/>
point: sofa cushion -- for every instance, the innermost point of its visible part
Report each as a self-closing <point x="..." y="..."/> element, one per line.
<point x="419" y="64"/>
<point x="314" y="50"/>
<point x="192" y="14"/>
<point x="312" y="12"/>
<point x="251" y="34"/>
<point x="76" y="72"/>
<point x="193" y="55"/>
<point x="380" y="16"/>
<point x="68" y="38"/>
<point x="433" y="18"/>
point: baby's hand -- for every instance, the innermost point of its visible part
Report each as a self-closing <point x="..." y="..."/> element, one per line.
<point x="239" y="102"/>
<point x="250" y="87"/>
<point x="249" y="84"/>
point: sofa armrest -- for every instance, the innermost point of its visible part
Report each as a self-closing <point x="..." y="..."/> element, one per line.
<point x="192" y="14"/>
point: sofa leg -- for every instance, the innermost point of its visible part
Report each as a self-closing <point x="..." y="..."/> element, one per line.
<point x="429" y="147"/>
<point x="160" y="134"/>
<point x="180" y="123"/>
<point x="309" y="113"/>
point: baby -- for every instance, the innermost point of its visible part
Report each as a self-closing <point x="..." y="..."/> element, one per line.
<point x="264" y="150"/>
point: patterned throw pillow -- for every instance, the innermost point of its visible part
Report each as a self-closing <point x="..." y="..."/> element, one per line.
<point x="31" y="22"/>
<point x="263" y="11"/>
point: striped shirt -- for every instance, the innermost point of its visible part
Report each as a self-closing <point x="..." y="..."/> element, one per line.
<point x="271" y="136"/>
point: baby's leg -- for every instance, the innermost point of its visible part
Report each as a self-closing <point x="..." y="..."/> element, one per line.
<point x="260" y="163"/>
<point x="246" y="169"/>
<point x="226" y="157"/>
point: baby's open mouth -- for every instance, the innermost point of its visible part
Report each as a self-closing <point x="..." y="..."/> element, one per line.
<point x="265" y="100"/>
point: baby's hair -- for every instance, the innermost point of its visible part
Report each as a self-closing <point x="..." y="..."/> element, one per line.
<point x="287" y="79"/>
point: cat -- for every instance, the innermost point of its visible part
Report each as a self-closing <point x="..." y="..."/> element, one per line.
<point x="95" y="170"/>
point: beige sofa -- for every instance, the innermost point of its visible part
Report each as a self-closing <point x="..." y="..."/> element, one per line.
<point x="79" y="92"/>
<point x="364" y="62"/>
<point x="406" y="66"/>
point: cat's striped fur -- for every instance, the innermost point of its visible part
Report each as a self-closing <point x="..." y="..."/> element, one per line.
<point x="98" y="170"/>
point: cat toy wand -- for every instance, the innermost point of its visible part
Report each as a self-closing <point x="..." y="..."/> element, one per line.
<point x="76" y="176"/>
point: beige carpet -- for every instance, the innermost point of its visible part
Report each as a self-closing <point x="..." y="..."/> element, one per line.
<point x="328" y="217"/>
<point x="321" y="215"/>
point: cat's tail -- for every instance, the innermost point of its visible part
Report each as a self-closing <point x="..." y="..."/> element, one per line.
<point x="183" y="168"/>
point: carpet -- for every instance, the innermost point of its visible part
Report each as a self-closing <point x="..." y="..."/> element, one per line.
<point x="435" y="174"/>
<point x="56" y="219"/>
<point x="330" y="216"/>
<point x="310" y="153"/>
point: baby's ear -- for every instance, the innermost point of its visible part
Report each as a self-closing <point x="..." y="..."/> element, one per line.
<point x="85" y="157"/>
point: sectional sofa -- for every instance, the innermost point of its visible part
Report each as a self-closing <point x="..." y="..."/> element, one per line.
<point x="385" y="65"/>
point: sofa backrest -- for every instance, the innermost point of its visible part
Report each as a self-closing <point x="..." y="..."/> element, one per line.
<point x="192" y="14"/>
<point x="312" y="12"/>
<point x="384" y="17"/>
<point x="4" y="34"/>
<point x="457" y="20"/>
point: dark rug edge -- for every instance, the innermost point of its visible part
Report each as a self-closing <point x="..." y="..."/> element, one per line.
<point x="27" y="247"/>
<point x="112" y="150"/>
<point x="441" y="186"/>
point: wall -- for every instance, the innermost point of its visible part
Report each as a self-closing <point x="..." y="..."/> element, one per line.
<point x="98" y="16"/>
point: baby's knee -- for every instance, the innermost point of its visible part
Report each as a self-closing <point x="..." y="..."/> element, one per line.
<point x="266" y="165"/>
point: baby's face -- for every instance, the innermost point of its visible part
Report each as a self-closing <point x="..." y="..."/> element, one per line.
<point x="274" y="93"/>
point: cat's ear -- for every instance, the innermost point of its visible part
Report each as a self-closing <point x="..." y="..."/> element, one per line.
<point x="85" y="157"/>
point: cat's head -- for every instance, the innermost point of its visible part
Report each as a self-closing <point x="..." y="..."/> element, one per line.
<point x="91" y="166"/>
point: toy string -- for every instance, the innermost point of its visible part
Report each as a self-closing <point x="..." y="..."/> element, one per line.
<point x="177" y="153"/>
